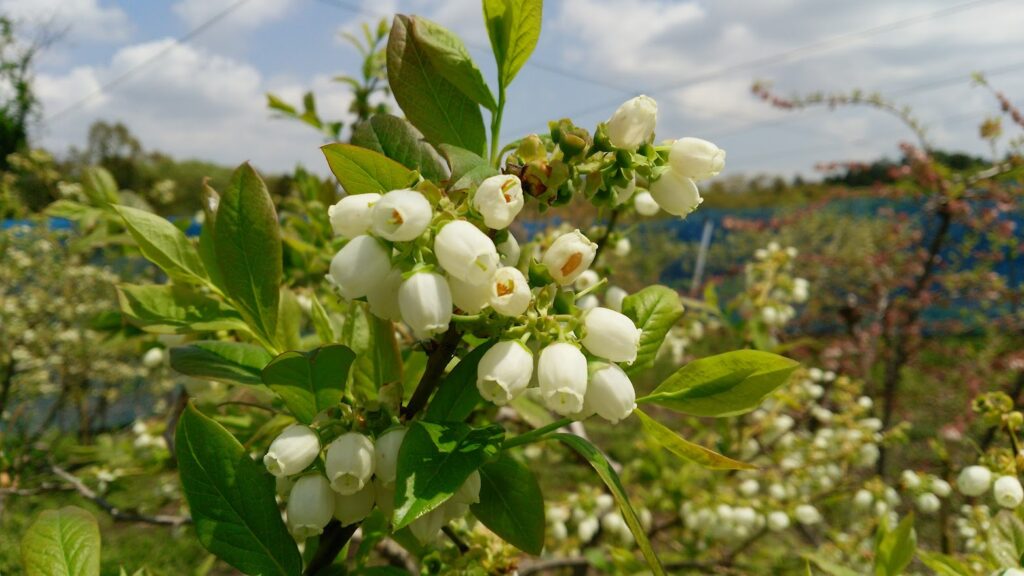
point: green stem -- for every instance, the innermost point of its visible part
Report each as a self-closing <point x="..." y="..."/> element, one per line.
<point x="591" y="289"/>
<point x="536" y="434"/>
<point x="496" y="127"/>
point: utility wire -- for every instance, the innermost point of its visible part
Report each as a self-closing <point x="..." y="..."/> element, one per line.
<point x="120" y="78"/>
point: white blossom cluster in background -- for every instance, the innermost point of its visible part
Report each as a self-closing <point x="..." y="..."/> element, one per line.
<point x="588" y="516"/>
<point x="772" y="288"/>
<point x="427" y="259"/>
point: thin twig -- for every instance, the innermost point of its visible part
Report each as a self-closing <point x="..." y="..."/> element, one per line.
<point x="333" y="539"/>
<point x="436" y="363"/>
<point x="115" y="512"/>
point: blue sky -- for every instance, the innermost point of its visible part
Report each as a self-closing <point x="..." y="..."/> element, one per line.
<point x="205" y="98"/>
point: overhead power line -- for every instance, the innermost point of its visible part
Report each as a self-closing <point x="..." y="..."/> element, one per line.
<point x="120" y="78"/>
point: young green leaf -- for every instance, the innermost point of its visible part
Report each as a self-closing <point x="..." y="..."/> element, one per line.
<point x="321" y="321"/>
<point x="457" y="395"/>
<point x="361" y="170"/>
<point x="895" y="549"/>
<point x="943" y="565"/>
<point x="434" y="461"/>
<point x="654" y="310"/>
<point x="400" y="141"/>
<point x="310" y="382"/>
<point x="232" y="362"/>
<point x="672" y="442"/>
<point x="63" y="542"/>
<point x="247" y="241"/>
<point x="450" y="58"/>
<point x="289" y="321"/>
<point x="100" y="187"/>
<point x="175" y="309"/>
<point x="607" y="474"/>
<point x="231" y="498"/>
<point x="1006" y="539"/>
<point x="163" y="244"/>
<point x="514" y="28"/>
<point x="511" y="504"/>
<point x="828" y="566"/>
<point x="723" y="385"/>
<point x="432" y="103"/>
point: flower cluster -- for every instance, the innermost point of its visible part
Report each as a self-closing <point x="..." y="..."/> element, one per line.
<point x="772" y="287"/>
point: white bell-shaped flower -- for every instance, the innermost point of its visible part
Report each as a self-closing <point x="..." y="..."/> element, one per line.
<point x="469" y="492"/>
<point x="352" y="508"/>
<point x="383" y="299"/>
<point x="569" y="256"/>
<point x="349" y="463"/>
<point x="360" y="267"/>
<point x="384" y="496"/>
<point x="283" y="487"/>
<point x="465" y="252"/>
<point x="350" y="217"/>
<point x="509" y="292"/>
<point x="401" y="215"/>
<point x="778" y="521"/>
<point x="499" y="199"/>
<point x="470" y="298"/>
<point x="426" y="304"/>
<point x="807" y="514"/>
<point x="928" y="503"/>
<point x="676" y="194"/>
<point x="1008" y="491"/>
<point x="292" y="451"/>
<point x="610" y="335"/>
<point x="613" y="298"/>
<point x="504" y="371"/>
<point x="562" y="374"/>
<point x="310" y="506"/>
<point x="633" y="123"/>
<point x="385" y="452"/>
<point x="585" y="280"/>
<point x="696" y="158"/>
<point x="622" y="247"/>
<point x="427" y="527"/>
<point x="645" y="204"/>
<point x="509" y="251"/>
<point x="974" y="480"/>
<point x="610" y="393"/>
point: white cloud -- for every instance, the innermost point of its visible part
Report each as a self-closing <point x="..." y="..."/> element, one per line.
<point x="253" y="14"/>
<point x="84" y="20"/>
<point x="193" y="104"/>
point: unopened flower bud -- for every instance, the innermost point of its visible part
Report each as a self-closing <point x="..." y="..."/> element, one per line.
<point x="153" y="357"/>
<point x="562" y="373"/>
<point x="465" y="252"/>
<point x="941" y="488"/>
<point x="778" y="521"/>
<point x="807" y="514"/>
<point x="613" y="298"/>
<point x="504" y="371"/>
<point x="509" y="251"/>
<point x="569" y="256"/>
<point x="928" y="503"/>
<point x="401" y="215"/>
<point x="385" y="454"/>
<point x="974" y="480"/>
<point x="696" y="158"/>
<point x="610" y="335"/>
<point x="349" y="463"/>
<point x="633" y="123"/>
<point x="469" y="492"/>
<point x="310" y="506"/>
<point x="645" y="204"/>
<point x="675" y="194"/>
<point x="360" y="267"/>
<point x="1008" y="491"/>
<point x="509" y="292"/>
<point x="610" y="393"/>
<point x="354" y="507"/>
<point x="350" y="217"/>
<point x="622" y="247"/>
<point x="426" y="304"/>
<point x="292" y="451"/>
<point x="499" y="199"/>
<point x="470" y="298"/>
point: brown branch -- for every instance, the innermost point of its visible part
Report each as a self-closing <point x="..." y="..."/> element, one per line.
<point x="333" y="539"/>
<point x="436" y="363"/>
<point x="115" y="512"/>
<point x="603" y="240"/>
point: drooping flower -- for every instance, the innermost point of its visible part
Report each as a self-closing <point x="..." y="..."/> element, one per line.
<point x="310" y="506"/>
<point x="610" y="335"/>
<point x="349" y="463"/>
<point x="292" y="451"/>
<point x="562" y="374"/>
<point x="504" y="371"/>
<point x="509" y="292"/>
<point x="633" y="123"/>
<point x="499" y="199"/>
<point x="352" y="508"/>
<point x="350" y="216"/>
<point x="695" y="158"/>
<point x="569" y="256"/>
<point x="465" y="252"/>
<point x="401" y="215"/>
<point x="425" y="301"/>
<point x="360" y="267"/>
<point x="676" y="194"/>
<point x="610" y="393"/>
<point x="385" y="453"/>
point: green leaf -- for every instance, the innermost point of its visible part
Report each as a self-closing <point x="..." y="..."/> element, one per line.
<point x="468" y="168"/>
<point x="231" y="498"/>
<point x="361" y="170"/>
<point x="896" y="549"/>
<point x="611" y="479"/>
<point x="687" y="450"/>
<point x="723" y="385"/>
<point x="289" y="321"/>
<point x="247" y="241"/>
<point x="828" y="566"/>
<point x="99" y="186"/>
<point x="457" y="395"/>
<point x="175" y="309"/>
<point x="432" y="103"/>
<point x="434" y="461"/>
<point x="233" y="362"/>
<point x="654" y="310"/>
<point x="163" y="244"/>
<point x="514" y="28"/>
<point x="63" y="542"/>
<point x="310" y="382"/>
<point x="511" y="504"/>
<point x="400" y="141"/>
<point x="450" y="58"/>
<point x="943" y="565"/>
<point x="321" y="321"/>
<point x="1006" y="539"/>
